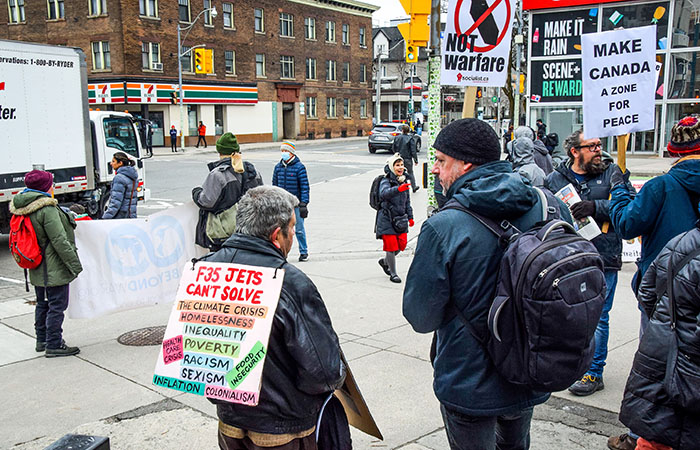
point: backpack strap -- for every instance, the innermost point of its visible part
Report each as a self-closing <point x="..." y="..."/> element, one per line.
<point x="550" y="209"/>
<point x="505" y="231"/>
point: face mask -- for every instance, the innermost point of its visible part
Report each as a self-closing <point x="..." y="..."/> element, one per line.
<point x="286" y="156"/>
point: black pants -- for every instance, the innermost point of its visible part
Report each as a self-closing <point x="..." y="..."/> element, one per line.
<point x="51" y="302"/>
<point x="200" y="138"/>
<point x="507" y="432"/>
<point x="173" y="144"/>
<point x="409" y="174"/>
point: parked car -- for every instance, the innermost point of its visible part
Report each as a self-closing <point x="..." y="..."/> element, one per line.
<point x="382" y="136"/>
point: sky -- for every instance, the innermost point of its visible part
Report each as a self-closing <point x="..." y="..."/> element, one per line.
<point x="390" y="9"/>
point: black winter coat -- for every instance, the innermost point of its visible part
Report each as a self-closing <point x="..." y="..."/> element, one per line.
<point x="303" y="363"/>
<point x="394" y="204"/>
<point x="596" y="188"/>
<point x="405" y="146"/>
<point x="646" y="409"/>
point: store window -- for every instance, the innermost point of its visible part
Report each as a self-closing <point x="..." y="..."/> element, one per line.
<point x="192" y="120"/>
<point x="559" y="33"/>
<point x="16" y="11"/>
<point x="686" y="24"/>
<point x="97" y="7"/>
<point x="633" y="16"/>
<point x="683" y="73"/>
<point x="219" y="119"/>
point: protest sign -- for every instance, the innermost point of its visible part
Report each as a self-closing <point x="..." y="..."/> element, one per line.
<point x="476" y="47"/>
<point x="216" y="339"/>
<point x="355" y="405"/>
<point x="131" y="263"/>
<point x="619" y="80"/>
<point x="632" y="248"/>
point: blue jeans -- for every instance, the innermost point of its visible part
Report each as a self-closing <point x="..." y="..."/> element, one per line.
<point x="301" y="233"/>
<point x="51" y="302"/>
<point x="602" y="331"/>
<point x="508" y="432"/>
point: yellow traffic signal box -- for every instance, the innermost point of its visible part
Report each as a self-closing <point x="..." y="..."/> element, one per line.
<point x="417" y="31"/>
<point x="411" y="53"/>
<point x="199" y="65"/>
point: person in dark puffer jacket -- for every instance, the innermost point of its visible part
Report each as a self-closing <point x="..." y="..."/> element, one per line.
<point x="646" y="407"/>
<point x="395" y="215"/>
<point x="303" y="364"/>
<point x="123" y="198"/>
<point x="290" y="175"/>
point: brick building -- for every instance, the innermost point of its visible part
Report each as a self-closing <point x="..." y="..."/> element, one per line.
<point x="282" y="68"/>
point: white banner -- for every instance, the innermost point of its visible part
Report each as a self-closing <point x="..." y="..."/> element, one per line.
<point x="131" y="263"/>
<point x="476" y="46"/>
<point x="216" y="340"/>
<point x="619" y="80"/>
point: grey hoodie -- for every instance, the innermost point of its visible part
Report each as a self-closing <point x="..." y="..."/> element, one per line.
<point x="542" y="157"/>
<point x="524" y="161"/>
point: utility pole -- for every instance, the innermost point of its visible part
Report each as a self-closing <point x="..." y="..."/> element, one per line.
<point x="434" y="62"/>
<point x="378" y="106"/>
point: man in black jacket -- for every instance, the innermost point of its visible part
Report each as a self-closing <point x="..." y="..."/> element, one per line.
<point x="405" y="146"/>
<point x="590" y="174"/>
<point x="303" y="364"/>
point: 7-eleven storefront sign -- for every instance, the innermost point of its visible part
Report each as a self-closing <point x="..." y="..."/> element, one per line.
<point x="154" y="93"/>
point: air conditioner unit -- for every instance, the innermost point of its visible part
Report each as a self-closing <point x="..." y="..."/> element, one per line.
<point x="157" y="66"/>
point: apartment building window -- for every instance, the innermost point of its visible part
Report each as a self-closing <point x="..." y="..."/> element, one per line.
<point x="330" y="31"/>
<point x="286" y="25"/>
<point x="187" y="59"/>
<point x="259" y="20"/>
<point x="55" y="9"/>
<point x="346" y="107"/>
<point x="260" y="65"/>
<point x="286" y="66"/>
<point x="148" y="8"/>
<point x="346" y="71"/>
<point x="207" y="14"/>
<point x="16" y="10"/>
<point x="310" y="68"/>
<point x="230" y="61"/>
<point x="363" y="73"/>
<point x="184" y="10"/>
<point x="345" y="34"/>
<point x="97" y="7"/>
<point x="330" y="70"/>
<point x="330" y="107"/>
<point x="363" y="108"/>
<point x="100" y="56"/>
<point x="150" y="56"/>
<point x="228" y="14"/>
<point x="363" y="37"/>
<point x="311" y="107"/>
<point x="310" y="28"/>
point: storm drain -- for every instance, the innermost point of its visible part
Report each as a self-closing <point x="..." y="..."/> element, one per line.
<point x="143" y="337"/>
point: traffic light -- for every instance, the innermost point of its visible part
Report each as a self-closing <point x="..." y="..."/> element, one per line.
<point x="416" y="32"/>
<point x="411" y="53"/>
<point x="199" y="60"/>
<point x="208" y="60"/>
<point x="479" y="94"/>
<point x="522" y="83"/>
<point x="173" y="97"/>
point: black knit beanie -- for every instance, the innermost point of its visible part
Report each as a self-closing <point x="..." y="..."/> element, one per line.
<point x="469" y="140"/>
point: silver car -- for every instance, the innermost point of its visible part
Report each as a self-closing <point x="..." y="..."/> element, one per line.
<point x="382" y="136"/>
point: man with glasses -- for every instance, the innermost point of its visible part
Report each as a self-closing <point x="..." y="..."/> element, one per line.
<point x="589" y="171"/>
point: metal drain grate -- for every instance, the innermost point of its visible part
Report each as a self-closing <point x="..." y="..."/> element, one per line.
<point x="143" y="337"/>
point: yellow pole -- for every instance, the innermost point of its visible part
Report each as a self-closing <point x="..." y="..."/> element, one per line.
<point x="622" y="141"/>
<point x="469" y="102"/>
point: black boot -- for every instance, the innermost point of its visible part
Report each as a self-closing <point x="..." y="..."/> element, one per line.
<point x="63" y="350"/>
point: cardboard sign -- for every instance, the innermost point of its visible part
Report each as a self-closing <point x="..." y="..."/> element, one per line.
<point x="216" y="339"/>
<point x="619" y="80"/>
<point x="355" y="406"/>
<point x="476" y="46"/>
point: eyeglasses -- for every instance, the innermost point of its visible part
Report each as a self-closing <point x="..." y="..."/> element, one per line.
<point x="590" y="147"/>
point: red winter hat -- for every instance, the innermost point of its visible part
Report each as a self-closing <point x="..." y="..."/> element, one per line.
<point x="685" y="137"/>
<point x="39" y="180"/>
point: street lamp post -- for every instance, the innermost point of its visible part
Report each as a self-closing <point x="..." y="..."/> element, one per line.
<point x="180" y="54"/>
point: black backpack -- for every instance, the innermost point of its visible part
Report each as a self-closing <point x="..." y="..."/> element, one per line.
<point x="549" y="296"/>
<point x="374" y="200"/>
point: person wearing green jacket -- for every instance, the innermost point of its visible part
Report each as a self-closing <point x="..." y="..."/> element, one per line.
<point x="60" y="264"/>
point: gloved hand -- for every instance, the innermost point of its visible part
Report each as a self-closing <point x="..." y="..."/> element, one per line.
<point x="618" y="178"/>
<point x="404" y="187"/>
<point x="303" y="210"/>
<point x="582" y="209"/>
<point x="411" y="222"/>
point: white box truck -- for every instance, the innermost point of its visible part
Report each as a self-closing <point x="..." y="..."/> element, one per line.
<point x="45" y="122"/>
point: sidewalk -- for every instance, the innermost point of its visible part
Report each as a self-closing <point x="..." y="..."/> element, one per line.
<point x="107" y="390"/>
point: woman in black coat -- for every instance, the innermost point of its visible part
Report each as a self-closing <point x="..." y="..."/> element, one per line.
<point x="649" y="407"/>
<point x="395" y="215"/>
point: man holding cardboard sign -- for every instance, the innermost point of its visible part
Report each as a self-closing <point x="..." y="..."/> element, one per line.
<point x="303" y="361"/>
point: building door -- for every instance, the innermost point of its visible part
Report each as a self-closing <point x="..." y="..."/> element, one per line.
<point x="288" y="122"/>
<point x="156" y="118"/>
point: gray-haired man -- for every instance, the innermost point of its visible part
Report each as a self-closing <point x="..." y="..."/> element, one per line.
<point x="303" y="364"/>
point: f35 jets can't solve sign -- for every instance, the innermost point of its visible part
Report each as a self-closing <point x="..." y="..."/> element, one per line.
<point x="476" y="45"/>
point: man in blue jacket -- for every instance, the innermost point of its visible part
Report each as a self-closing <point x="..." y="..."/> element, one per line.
<point x="456" y="266"/>
<point x="588" y="170"/>
<point x="290" y="175"/>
